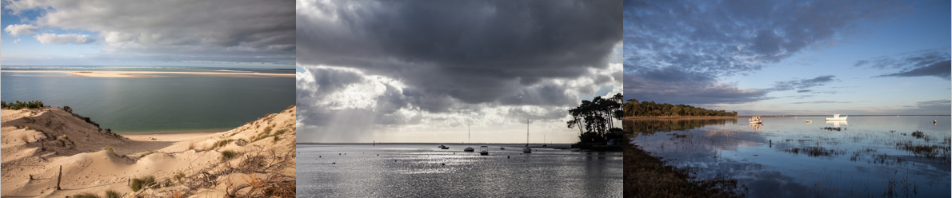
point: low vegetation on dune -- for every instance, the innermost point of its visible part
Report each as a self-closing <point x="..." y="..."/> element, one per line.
<point x="21" y="105"/>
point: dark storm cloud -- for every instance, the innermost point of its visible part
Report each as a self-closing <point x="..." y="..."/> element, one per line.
<point x="682" y="45"/>
<point x="928" y="62"/>
<point x="473" y="52"/>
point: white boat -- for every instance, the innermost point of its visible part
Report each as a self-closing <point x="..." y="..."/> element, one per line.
<point x="836" y="117"/>
<point x="444" y="147"/>
<point x="809" y="121"/>
<point x="483" y="150"/>
<point x="755" y="120"/>
<point x="527" y="149"/>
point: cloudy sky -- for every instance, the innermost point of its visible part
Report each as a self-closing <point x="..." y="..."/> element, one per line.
<point x="422" y="71"/>
<point x="153" y="33"/>
<point x="790" y="57"/>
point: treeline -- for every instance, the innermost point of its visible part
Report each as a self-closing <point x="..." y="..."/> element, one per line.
<point x="593" y="118"/>
<point x="648" y="127"/>
<point x="20" y="105"/>
<point x="650" y="108"/>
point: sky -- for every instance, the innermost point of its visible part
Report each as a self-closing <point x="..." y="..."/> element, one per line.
<point x="431" y="71"/>
<point x="852" y="57"/>
<point x="249" y="33"/>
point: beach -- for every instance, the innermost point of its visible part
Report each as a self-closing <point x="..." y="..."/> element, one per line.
<point x="38" y="143"/>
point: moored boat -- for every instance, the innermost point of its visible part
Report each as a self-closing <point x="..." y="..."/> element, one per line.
<point x="836" y="117"/>
<point x="755" y="120"/>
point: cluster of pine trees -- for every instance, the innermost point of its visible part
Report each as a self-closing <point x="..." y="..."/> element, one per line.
<point x="650" y="108"/>
<point x="593" y="118"/>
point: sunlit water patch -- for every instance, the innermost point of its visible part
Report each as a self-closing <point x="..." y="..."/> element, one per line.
<point x="788" y="157"/>
<point x="423" y="170"/>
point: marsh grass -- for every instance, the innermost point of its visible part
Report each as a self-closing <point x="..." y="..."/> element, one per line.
<point x="815" y="151"/>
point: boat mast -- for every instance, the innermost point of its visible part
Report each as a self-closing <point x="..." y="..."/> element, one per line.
<point x="470" y="133"/>
<point x="527" y="132"/>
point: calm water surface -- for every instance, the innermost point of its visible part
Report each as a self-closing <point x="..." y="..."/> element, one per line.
<point x="787" y="157"/>
<point x="163" y="103"/>
<point x="416" y="170"/>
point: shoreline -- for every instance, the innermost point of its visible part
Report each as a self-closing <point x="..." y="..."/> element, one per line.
<point x="643" y="173"/>
<point x="144" y="74"/>
<point x="689" y="117"/>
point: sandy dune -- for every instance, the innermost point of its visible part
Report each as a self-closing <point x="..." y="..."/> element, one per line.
<point x="37" y="142"/>
<point x="127" y="74"/>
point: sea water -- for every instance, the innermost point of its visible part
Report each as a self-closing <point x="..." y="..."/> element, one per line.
<point x="423" y="170"/>
<point x="788" y="157"/>
<point x="162" y="103"/>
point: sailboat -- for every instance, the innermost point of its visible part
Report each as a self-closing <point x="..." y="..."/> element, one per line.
<point x="543" y="140"/>
<point x="469" y="149"/>
<point x="527" y="149"/>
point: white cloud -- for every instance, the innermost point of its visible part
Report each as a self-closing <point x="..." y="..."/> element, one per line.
<point x="20" y="29"/>
<point x="64" y="39"/>
<point x="16" y="41"/>
<point x="233" y="31"/>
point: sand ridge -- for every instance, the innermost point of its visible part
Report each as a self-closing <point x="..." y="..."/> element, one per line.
<point x="37" y="142"/>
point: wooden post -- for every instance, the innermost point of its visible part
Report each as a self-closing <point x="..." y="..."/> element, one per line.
<point x="59" y="178"/>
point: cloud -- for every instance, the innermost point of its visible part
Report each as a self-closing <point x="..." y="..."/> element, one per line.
<point x="20" y="29"/>
<point x="64" y="39"/>
<point x="820" y="102"/>
<point x="803" y="84"/>
<point x="428" y="65"/>
<point x="488" y="48"/>
<point x="682" y="47"/>
<point x="16" y="41"/>
<point x="220" y="30"/>
<point x="938" y="69"/>
<point x="927" y="62"/>
<point x="674" y="85"/>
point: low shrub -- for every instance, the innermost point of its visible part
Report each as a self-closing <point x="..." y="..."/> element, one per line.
<point x="140" y="183"/>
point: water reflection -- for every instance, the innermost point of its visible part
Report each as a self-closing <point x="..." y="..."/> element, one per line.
<point x="755" y="126"/>
<point x="878" y="156"/>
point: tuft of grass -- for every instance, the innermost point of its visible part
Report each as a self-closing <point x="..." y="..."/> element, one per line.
<point x="221" y="143"/>
<point x="279" y="132"/>
<point x="86" y="195"/>
<point x="147" y="153"/>
<point x="191" y="145"/>
<point x="227" y="155"/>
<point x="111" y="151"/>
<point x="179" y="176"/>
<point x="139" y="183"/>
<point x="112" y="194"/>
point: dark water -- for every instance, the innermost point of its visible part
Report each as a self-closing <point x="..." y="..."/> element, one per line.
<point x="417" y="172"/>
<point x="163" y="103"/>
<point x="786" y="157"/>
